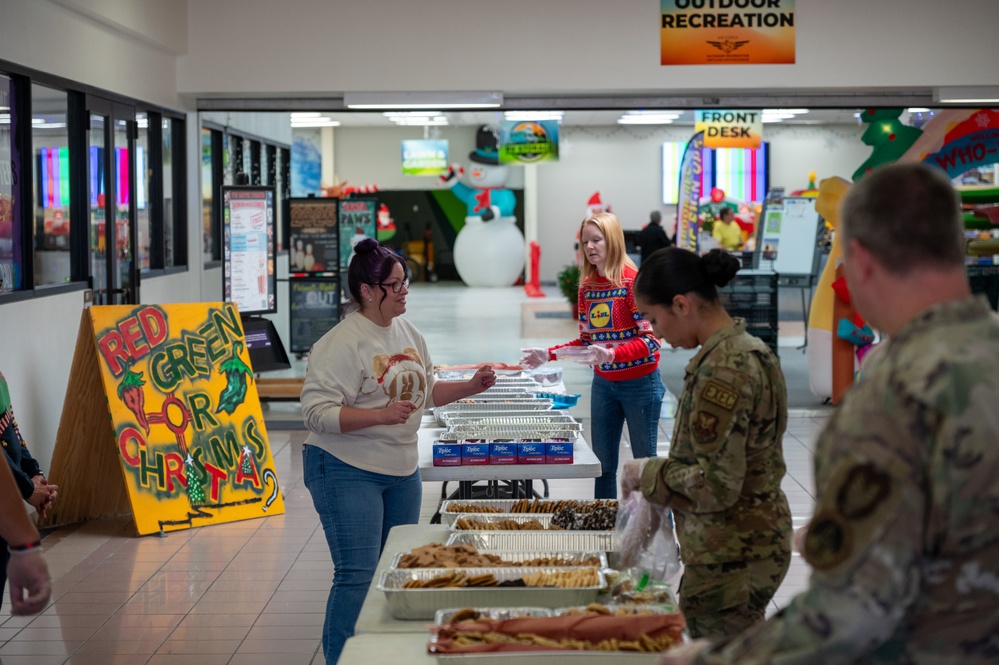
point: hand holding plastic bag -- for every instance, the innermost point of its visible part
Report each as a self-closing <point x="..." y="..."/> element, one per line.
<point x="645" y="537"/>
<point x="533" y="357"/>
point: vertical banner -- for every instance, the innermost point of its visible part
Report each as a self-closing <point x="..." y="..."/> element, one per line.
<point x="528" y="141"/>
<point x="313" y="240"/>
<point x="727" y="32"/>
<point x="185" y="427"/>
<point x="357" y="221"/>
<point x="690" y="193"/>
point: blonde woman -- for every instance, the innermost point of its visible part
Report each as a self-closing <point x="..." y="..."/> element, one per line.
<point x="619" y="344"/>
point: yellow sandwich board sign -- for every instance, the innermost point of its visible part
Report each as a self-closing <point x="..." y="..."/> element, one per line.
<point x="184" y="425"/>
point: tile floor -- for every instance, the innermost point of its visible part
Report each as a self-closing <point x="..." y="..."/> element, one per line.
<point x="254" y="592"/>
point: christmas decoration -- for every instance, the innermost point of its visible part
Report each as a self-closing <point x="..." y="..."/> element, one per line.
<point x="888" y="136"/>
<point x="236" y="372"/>
<point x="130" y="392"/>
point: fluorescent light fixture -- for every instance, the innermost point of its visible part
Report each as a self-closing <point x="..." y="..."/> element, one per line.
<point x="648" y="118"/>
<point x="973" y="94"/>
<point x="784" y="111"/>
<point x="920" y="110"/>
<point x="534" y="115"/>
<point x="392" y="115"/>
<point x="436" y="121"/>
<point x="316" y="121"/>
<point x="305" y="114"/>
<point x="423" y="100"/>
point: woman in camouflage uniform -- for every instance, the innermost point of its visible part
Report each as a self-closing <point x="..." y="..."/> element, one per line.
<point x="723" y="474"/>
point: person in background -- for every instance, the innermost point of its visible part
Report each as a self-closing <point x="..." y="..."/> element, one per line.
<point x="30" y="586"/>
<point x="653" y="237"/>
<point x="368" y="382"/>
<point x="903" y="544"/>
<point x="28" y="477"/>
<point x="726" y="230"/>
<point x="723" y="474"/>
<point x="618" y="342"/>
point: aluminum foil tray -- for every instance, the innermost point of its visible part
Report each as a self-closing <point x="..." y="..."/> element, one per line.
<point x="492" y="407"/>
<point x="458" y="417"/>
<point x="537" y="541"/>
<point x="488" y="518"/>
<point x="521" y="432"/>
<point x="489" y="395"/>
<point x="550" y="658"/>
<point x="542" y="418"/>
<point x="442" y="617"/>
<point x="424" y="603"/>
<point x="523" y="555"/>
<point x="635" y="609"/>
<point x="445" y="374"/>
<point x="450" y="508"/>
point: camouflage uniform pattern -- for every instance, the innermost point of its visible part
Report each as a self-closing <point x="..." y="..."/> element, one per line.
<point x="722" y="479"/>
<point x="904" y="543"/>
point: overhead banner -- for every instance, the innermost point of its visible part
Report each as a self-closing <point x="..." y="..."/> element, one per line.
<point x="528" y="141"/>
<point x="164" y="395"/>
<point x="424" y="157"/>
<point x="730" y="129"/>
<point x="727" y="32"/>
<point x="691" y="168"/>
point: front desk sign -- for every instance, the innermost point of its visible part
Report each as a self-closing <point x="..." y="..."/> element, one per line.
<point x="162" y="397"/>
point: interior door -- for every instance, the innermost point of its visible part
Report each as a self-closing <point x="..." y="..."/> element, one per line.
<point x="110" y="176"/>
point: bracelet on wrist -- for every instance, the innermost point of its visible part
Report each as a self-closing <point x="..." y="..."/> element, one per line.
<point x="26" y="548"/>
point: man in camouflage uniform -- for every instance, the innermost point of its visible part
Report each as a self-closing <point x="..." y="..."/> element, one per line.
<point x="722" y="480"/>
<point x="904" y="543"/>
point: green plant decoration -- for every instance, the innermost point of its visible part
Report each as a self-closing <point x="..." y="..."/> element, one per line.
<point x="568" y="282"/>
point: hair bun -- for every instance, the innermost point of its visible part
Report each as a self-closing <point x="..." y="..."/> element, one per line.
<point x="720" y="266"/>
<point x="365" y="246"/>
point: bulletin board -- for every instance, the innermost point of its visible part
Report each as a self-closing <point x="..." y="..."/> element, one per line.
<point x="163" y="418"/>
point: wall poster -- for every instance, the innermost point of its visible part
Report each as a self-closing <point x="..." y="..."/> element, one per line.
<point x="726" y="32"/>
<point x="358" y="218"/>
<point x="314" y="236"/>
<point x="315" y="309"/>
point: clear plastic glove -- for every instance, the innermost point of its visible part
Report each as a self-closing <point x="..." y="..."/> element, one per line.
<point x="30" y="585"/>
<point x="631" y="475"/>
<point x="533" y="357"/>
<point x="596" y="355"/>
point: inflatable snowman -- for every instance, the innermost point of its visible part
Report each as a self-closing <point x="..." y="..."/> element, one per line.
<point x="489" y="249"/>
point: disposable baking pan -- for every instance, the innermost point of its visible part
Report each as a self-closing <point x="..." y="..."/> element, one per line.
<point x="423" y="603"/>
<point x="492" y="407"/>
<point x="523" y="555"/>
<point x="444" y="616"/>
<point x="537" y="541"/>
<point x="541" y="418"/>
<point x="452" y="507"/>
<point x="477" y="415"/>
<point x="519" y="431"/>
<point x="491" y="518"/>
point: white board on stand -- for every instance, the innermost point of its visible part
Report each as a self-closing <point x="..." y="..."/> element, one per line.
<point x="789" y="236"/>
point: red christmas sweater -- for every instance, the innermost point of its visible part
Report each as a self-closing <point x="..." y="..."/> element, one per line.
<point x="609" y="317"/>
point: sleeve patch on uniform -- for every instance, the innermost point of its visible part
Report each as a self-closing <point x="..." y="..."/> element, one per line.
<point x="828" y="542"/>
<point x="705" y="426"/>
<point x="865" y="488"/>
<point x="718" y="394"/>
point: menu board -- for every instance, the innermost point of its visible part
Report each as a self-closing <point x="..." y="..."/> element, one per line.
<point x="248" y="242"/>
<point x="315" y="309"/>
<point x="357" y="222"/>
<point x="313" y="238"/>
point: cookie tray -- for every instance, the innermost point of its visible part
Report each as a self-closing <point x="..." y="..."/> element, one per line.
<point x="537" y="541"/>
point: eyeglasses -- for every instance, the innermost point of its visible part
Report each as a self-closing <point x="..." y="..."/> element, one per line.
<point x="397" y="287"/>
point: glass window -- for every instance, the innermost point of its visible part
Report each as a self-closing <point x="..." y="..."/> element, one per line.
<point x="10" y="204"/>
<point x="169" y="216"/>
<point x="143" y="177"/>
<point x="50" y="150"/>
<point x="207" y="194"/>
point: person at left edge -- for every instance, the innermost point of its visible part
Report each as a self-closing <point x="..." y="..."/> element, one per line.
<point x="368" y="381"/>
<point x="28" y="476"/>
<point x="620" y="345"/>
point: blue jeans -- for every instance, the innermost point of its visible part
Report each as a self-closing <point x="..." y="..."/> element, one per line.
<point x="357" y="508"/>
<point x="637" y="401"/>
